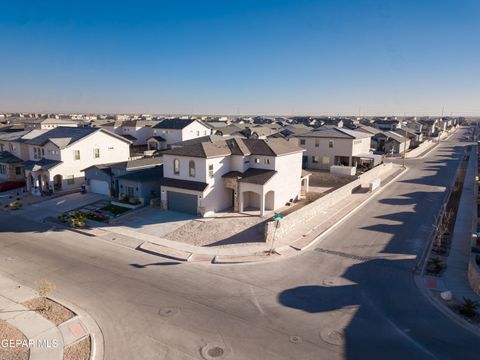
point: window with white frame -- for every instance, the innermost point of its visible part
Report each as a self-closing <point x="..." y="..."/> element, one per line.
<point x="210" y="170"/>
<point x="317" y="143"/>
<point x="176" y="166"/>
<point x="191" y="168"/>
<point x="302" y="141"/>
<point x="96" y="153"/>
<point x="76" y="154"/>
<point x="330" y="143"/>
<point x="257" y="161"/>
<point x="3" y="169"/>
<point x="266" y="161"/>
<point x="315" y="159"/>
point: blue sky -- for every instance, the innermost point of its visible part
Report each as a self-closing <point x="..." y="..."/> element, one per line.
<point x="241" y="57"/>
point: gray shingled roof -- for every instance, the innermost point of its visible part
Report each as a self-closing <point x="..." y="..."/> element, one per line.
<point x="335" y="132"/>
<point x="60" y="135"/>
<point x="44" y="164"/>
<point x="236" y="146"/>
<point x="145" y="175"/>
<point x="252" y="176"/>
<point x="8" y="158"/>
<point x="173" y="123"/>
<point x="184" y="184"/>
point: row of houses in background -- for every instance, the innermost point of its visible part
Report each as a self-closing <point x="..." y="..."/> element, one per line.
<point x="199" y="166"/>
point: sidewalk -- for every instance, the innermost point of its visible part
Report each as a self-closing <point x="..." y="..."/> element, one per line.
<point x="288" y="246"/>
<point x="46" y="341"/>
<point x="455" y="276"/>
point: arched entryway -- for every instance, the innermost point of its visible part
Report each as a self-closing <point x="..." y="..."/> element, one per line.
<point x="270" y="200"/>
<point x="251" y="201"/>
<point x="57" y="182"/>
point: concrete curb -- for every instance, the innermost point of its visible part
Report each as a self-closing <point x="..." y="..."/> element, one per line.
<point x="97" y="347"/>
<point x="12" y="297"/>
<point x="285" y="252"/>
<point x="418" y="279"/>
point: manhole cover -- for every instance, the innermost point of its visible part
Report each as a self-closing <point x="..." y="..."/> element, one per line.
<point x="212" y="351"/>
<point x="295" y="339"/>
<point x="332" y="336"/>
<point x="168" y="312"/>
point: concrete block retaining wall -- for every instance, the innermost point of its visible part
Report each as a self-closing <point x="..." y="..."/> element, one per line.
<point x="293" y="221"/>
<point x="420" y="149"/>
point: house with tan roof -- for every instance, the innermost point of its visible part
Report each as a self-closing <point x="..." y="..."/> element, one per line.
<point x="233" y="174"/>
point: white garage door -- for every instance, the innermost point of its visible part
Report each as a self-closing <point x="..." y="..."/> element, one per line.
<point x="99" y="187"/>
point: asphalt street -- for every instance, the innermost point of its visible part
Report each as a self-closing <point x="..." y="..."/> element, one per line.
<point x="351" y="296"/>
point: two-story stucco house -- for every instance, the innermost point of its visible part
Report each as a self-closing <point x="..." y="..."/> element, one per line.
<point x="327" y="146"/>
<point x="54" y="159"/>
<point x="239" y="174"/>
<point x="137" y="131"/>
<point x="171" y="131"/>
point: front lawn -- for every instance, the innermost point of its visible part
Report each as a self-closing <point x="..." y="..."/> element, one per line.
<point x="115" y="210"/>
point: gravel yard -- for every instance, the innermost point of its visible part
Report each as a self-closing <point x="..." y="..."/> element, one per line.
<point x="51" y="310"/>
<point x="322" y="181"/>
<point x="78" y="351"/>
<point x="8" y="332"/>
<point x="234" y="229"/>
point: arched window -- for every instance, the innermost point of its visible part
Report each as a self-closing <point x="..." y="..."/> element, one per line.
<point x="191" y="168"/>
<point x="176" y="166"/>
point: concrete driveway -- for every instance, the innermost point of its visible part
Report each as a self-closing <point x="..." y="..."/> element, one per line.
<point x="56" y="206"/>
<point x="150" y="222"/>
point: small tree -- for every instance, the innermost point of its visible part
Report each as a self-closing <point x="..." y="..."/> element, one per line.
<point x="44" y="289"/>
<point x="469" y="307"/>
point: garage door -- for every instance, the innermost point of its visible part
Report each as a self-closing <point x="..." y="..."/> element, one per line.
<point x="186" y="203"/>
<point x="99" y="187"/>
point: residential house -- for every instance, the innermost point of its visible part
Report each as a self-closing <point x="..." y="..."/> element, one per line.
<point x="327" y="146"/>
<point x="136" y="131"/>
<point x="171" y="131"/>
<point x="239" y="174"/>
<point x="387" y="124"/>
<point x="48" y="124"/>
<point x="429" y="127"/>
<point x="11" y="167"/>
<point x="105" y="179"/>
<point x="416" y="138"/>
<point x="54" y="159"/>
<point x="390" y="142"/>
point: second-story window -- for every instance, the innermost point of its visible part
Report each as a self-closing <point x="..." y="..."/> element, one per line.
<point x="267" y="161"/>
<point x="330" y="143"/>
<point x="76" y="154"/>
<point x="191" y="168"/>
<point x="176" y="166"/>
<point x="302" y="141"/>
<point x="317" y="143"/>
<point x="96" y="153"/>
<point x="210" y="170"/>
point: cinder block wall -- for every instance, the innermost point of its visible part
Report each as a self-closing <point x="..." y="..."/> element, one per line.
<point x="297" y="219"/>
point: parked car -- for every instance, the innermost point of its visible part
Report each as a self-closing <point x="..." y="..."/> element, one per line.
<point x="10" y="185"/>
